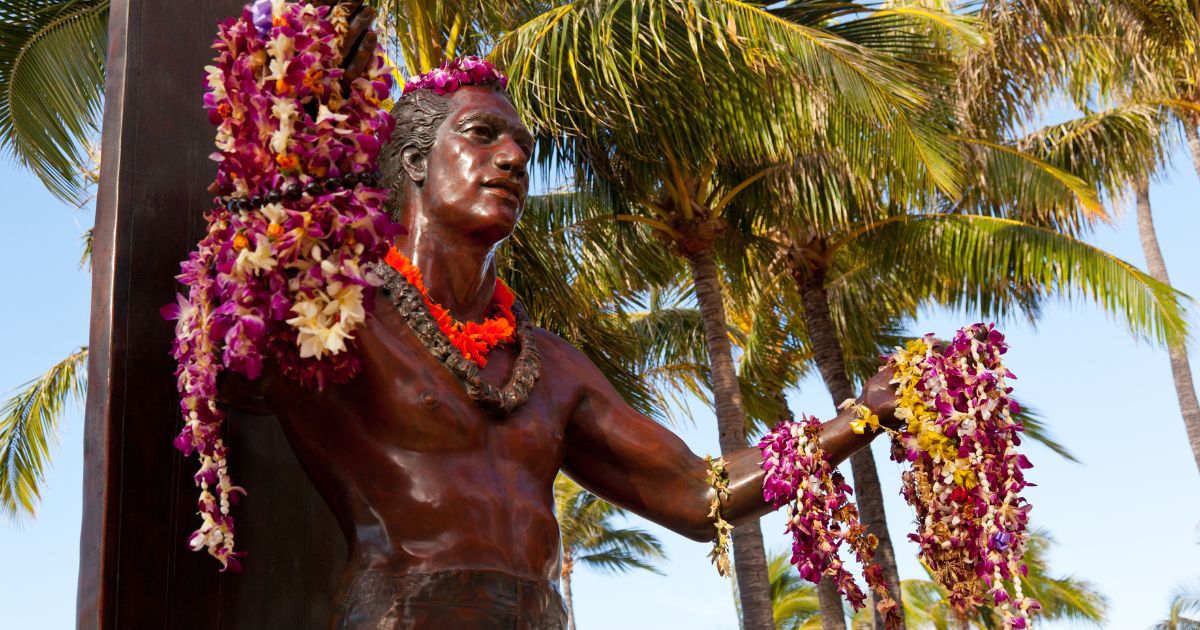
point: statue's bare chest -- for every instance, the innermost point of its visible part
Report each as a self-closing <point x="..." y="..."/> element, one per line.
<point x="422" y="407"/>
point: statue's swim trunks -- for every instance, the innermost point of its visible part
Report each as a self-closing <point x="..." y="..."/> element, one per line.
<point x="458" y="599"/>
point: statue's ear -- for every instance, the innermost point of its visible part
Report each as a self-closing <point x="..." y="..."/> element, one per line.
<point x="414" y="164"/>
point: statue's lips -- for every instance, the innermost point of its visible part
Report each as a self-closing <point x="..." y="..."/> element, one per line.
<point x="505" y="188"/>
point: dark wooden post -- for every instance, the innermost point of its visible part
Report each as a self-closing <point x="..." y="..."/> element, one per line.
<point x="139" y="502"/>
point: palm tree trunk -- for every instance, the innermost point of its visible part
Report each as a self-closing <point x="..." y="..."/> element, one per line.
<point x="830" y="601"/>
<point x="749" y="558"/>
<point x="1181" y="371"/>
<point x="567" y="568"/>
<point x="1193" y="140"/>
<point x="831" y="361"/>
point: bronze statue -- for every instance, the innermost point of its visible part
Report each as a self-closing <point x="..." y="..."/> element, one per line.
<point x="446" y="502"/>
<point x="448" y="509"/>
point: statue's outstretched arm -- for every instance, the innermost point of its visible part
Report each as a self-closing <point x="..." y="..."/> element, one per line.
<point x="636" y="463"/>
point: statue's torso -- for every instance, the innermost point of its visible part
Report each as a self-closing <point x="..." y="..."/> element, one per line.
<point x="419" y="477"/>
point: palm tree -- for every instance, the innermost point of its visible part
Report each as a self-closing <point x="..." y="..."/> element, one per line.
<point x="674" y="108"/>
<point x="52" y="55"/>
<point x="30" y="418"/>
<point x="590" y="538"/>
<point x="1158" y="64"/>
<point x="428" y="32"/>
<point x="1181" y="370"/>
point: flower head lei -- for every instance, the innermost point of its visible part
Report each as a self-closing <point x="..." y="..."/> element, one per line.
<point x="282" y="271"/>
<point x="960" y="438"/>
<point x="456" y="73"/>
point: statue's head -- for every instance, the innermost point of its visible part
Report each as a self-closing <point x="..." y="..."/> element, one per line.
<point x="459" y="154"/>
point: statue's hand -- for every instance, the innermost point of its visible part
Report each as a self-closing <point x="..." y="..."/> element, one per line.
<point x="358" y="47"/>
<point x="879" y="395"/>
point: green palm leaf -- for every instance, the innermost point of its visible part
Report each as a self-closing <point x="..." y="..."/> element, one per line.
<point x="1109" y="148"/>
<point x="1021" y="186"/>
<point x="793" y="599"/>
<point x="1038" y="430"/>
<point x="52" y="55"/>
<point x="29" y="426"/>
<point x="974" y="261"/>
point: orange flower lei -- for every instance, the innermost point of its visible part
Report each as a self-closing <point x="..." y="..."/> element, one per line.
<point x="472" y="340"/>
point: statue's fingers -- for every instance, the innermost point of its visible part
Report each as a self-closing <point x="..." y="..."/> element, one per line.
<point x="362" y="58"/>
<point x="360" y="24"/>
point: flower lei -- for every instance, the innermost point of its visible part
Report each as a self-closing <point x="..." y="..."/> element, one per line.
<point x="286" y="279"/>
<point x="966" y="475"/>
<point x="821" y="517"/>
<point x="456" y="73"/>
<point x="473" y="340"/>
<point x="718" y="479"/>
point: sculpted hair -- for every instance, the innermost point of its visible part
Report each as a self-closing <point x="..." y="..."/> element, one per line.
<point x="418" y="116"/>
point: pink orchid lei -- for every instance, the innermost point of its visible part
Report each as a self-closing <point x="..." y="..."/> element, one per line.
<point x="285" y="279"/>
<point x="456" y="73"/>
<point x="821" y="517"/>
<point x="966" y="477"/>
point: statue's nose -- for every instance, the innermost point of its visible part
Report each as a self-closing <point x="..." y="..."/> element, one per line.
<point x="511" y="157"/>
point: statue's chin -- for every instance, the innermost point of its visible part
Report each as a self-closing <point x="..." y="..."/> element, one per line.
<point x="495" y="221"/>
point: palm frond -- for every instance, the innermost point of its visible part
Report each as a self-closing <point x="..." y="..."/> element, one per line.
<point x="590" y="536"/>
<point x="52" y="56"/>
<point x="702" y="80"/>
<point x="1019" y="185"/>
<point x="29" y="426"/>
<point x="1062" y="598"/>
<point x="980" y="262"/>
<point x="1185" y="609"/>
<point x="426" y="33"/>
<point x="1109" y="148"/>
<point x="89" y="240"/>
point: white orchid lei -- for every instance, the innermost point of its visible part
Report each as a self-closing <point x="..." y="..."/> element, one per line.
<point x="282" y="272"/>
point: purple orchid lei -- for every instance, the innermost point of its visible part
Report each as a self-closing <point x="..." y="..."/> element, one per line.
<point x="821" y="517"/>
<point x="966" y="477"/>
<point x="456" y="73"/>
<point x="287" y="280"/>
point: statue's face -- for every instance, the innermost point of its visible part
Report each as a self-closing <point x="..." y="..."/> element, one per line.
<point x="476" y="175"/>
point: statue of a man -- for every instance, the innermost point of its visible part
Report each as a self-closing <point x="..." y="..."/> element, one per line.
<point x="446" y="503"/>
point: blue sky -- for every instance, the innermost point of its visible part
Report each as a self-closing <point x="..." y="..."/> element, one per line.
<point x="1126" y="518"/>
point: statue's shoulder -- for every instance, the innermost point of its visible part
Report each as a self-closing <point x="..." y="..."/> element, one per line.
<point x="553" y="348"/>
<point x="561" y="359"/>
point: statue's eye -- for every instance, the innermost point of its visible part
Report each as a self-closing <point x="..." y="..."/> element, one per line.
<point x="482" y="132"/>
